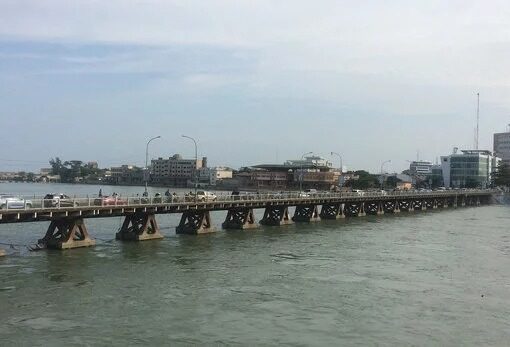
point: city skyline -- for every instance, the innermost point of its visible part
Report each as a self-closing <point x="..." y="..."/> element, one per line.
<point x="367" y="80"/>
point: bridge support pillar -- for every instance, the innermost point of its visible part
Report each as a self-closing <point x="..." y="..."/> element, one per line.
<point x="332" y="211"/>
<point x="66" y="234"/>
<point x="195" y="222"/>
<point x="406" y="205"/>
<point x="306" y="213"/>
<point x="354" y="209"/>
<point x="390" y="206"/>
<point x="139" y="227"/>
<point x="276" y="215"/>
<point x="372" y="208"/>
<point x="240" y="218"/>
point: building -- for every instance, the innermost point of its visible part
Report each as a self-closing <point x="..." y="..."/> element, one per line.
<point x="176" y="171"/>
<point x="126" y="174"/>
<point x="311" y="172"/>
<point x="314" y="161"/>
<point x="469" y="169"/>
<point x="214" y="175"/>
<point x="502" y="146"/>
<point x="420" y="168"/>
<point x="93" y="165"/>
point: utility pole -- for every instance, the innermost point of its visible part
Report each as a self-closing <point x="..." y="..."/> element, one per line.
<point x="146" y="176"/>
<point x="477" y="138"/>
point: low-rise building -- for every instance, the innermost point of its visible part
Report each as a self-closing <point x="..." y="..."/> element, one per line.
<point x="469" y="169"/>
<point x="126" y="174"/>
<point x="213" y="175"/>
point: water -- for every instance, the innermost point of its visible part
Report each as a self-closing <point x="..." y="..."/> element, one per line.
<point x="433" y="278"/>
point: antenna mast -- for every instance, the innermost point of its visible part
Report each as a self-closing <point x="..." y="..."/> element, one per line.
<point x="477" y="137"/>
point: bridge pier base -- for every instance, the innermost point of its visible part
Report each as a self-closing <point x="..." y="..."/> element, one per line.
<point x="195" y="222"/>
<point x="306" y="213"/>
<point x="139" y="227"/>
<point x="239" y="218"/>
<point x="276" y="215"/>
<point x="67" y="234"/>
<point x="332" y="211"/>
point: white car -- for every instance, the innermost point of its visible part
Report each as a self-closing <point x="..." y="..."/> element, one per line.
<point x="13" y="202"/>
<point x="203" y="195"/>
<point x="358" y="192"/>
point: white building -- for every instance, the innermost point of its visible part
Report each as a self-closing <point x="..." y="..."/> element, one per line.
<point x="175" y="170"/>
<point x="420" y="168"/>
<point x="469" y="169"/>
<point x="211" y="175"/>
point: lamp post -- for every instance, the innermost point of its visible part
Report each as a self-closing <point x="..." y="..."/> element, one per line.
<point x="196" y="160"/>
<point x="147" y="162"/>
<point x="301" y="173"/>
<point x="382" y="177"/>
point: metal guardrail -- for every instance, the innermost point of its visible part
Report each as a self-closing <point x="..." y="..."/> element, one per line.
<point x="34" y="203"/>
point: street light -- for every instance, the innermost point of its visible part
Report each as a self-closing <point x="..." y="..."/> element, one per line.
<point x="196" y="160"/>
<point x="301" y="173"/>
<point x="382" y="177"/>
<point x="147" y="162"/>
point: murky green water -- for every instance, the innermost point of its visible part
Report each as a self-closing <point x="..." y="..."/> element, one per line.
<point x="433" y="278"/>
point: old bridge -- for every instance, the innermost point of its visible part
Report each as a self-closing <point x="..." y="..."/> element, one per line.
<point x="67" y="228"/>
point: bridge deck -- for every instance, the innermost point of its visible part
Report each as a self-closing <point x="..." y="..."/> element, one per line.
<point x="98" y="208"/>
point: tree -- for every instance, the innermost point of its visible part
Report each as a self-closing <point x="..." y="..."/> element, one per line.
<point x="365" y="180"/>
<point x="391" y="182"/>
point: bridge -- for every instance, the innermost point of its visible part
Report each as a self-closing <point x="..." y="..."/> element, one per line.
<point x="67" y="227"/>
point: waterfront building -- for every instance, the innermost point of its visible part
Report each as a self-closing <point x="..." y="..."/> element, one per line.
<point x="126" y="174"/>
<point x="213" y="175"/>
<point x="176" y="171"/>
<point x="502" y="146"/>
<point x="469" y="169"/>
<point x="312" y="172"/>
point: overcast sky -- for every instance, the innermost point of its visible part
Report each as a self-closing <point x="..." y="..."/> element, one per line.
<point x="254" y="81"/>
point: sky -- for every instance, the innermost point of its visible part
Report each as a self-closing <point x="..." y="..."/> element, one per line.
<point x="254" y="82"/>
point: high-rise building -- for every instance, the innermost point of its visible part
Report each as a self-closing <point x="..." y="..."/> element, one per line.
<point x="502" y="146"/>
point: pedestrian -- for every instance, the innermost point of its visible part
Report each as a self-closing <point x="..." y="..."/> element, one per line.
<point x="100" y="192"/>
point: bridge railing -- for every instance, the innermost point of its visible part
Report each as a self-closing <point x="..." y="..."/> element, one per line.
<point x="29" y="203"/>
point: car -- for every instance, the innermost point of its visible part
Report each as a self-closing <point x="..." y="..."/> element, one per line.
<point x="203" y="195"/>
<point x="311" y="192"/>
<point x="358" y="192"/>
<point x="13" y="202"/>
<point x="59" y="200"/>
<point x="110" y="201"/>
